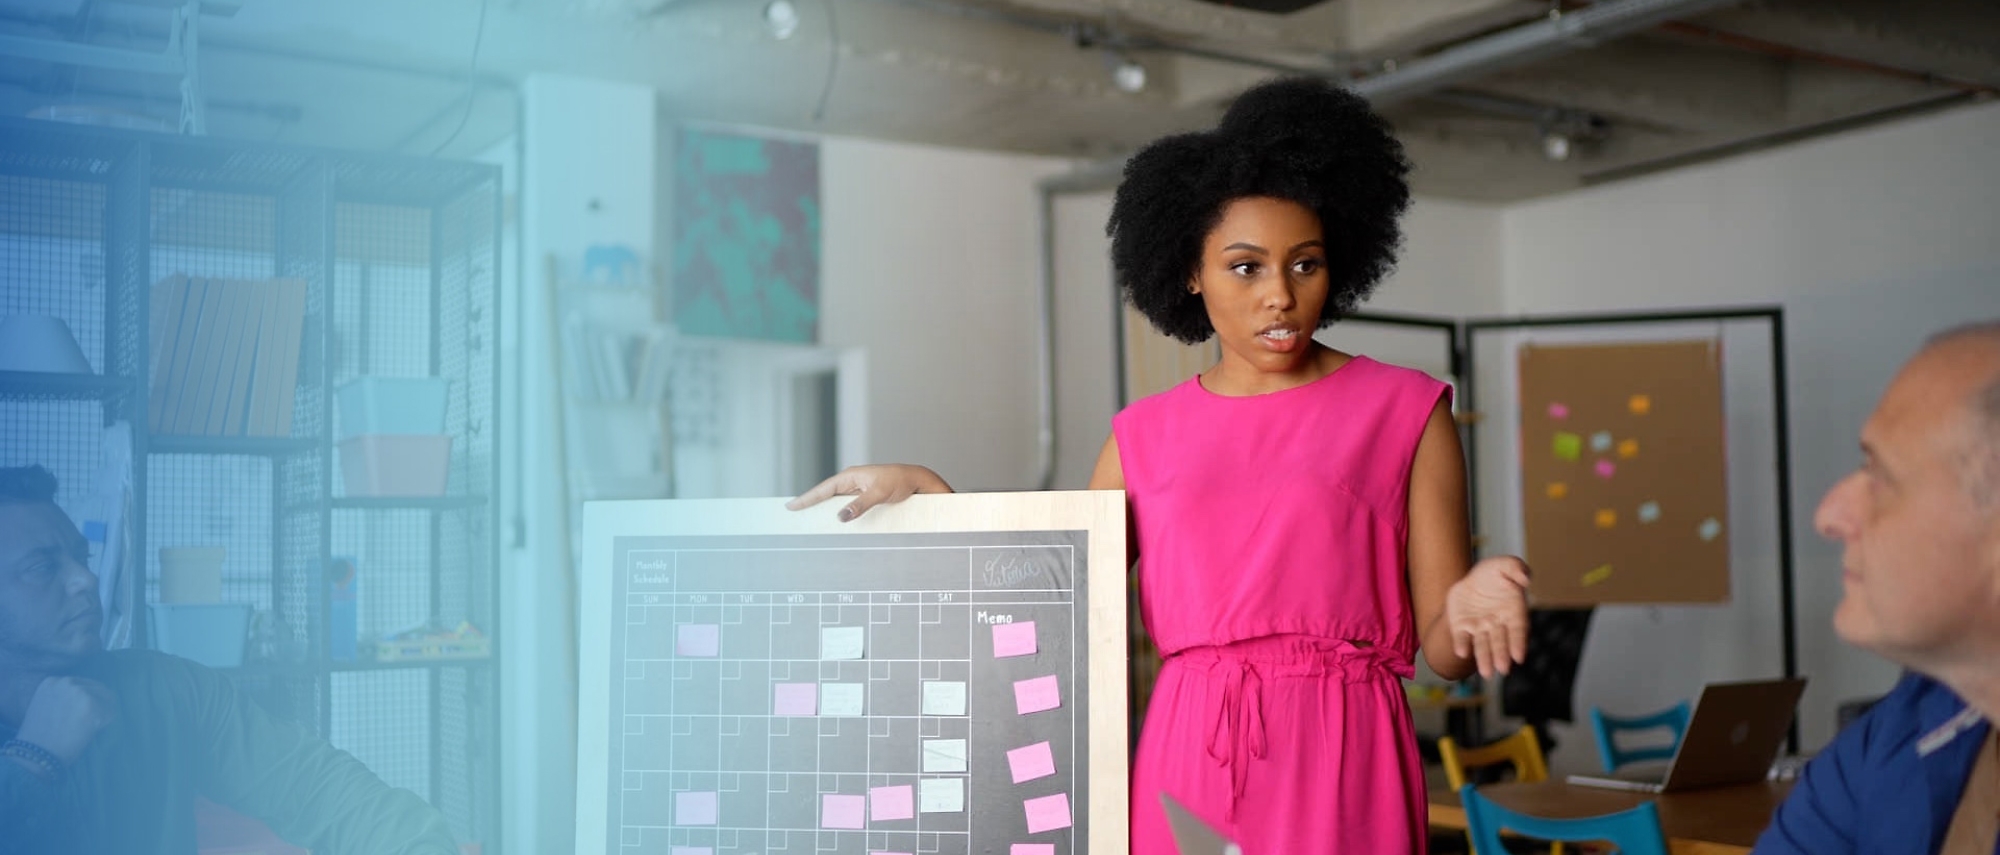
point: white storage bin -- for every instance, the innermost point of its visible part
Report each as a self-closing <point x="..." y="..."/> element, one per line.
<point x="209" y="633"/>
<point x="392" y="405"/>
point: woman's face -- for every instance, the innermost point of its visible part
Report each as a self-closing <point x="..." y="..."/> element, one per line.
<point x="1263" y="280"/>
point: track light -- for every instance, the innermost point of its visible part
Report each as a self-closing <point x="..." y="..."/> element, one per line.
<point x="1128" y="75"/>
<point x="1556" y="146"/>
<point x="1568" y="134"/>
<point x="781" y="17"/>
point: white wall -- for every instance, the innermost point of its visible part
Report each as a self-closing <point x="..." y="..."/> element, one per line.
<point x="1870" y="240"/>
<point x="587" y="178"/>
<point x="1448" y="269"/>
<point x="1087" y="307"/>
<point x="930" y="263"/>
<point x="1449" y="265"/>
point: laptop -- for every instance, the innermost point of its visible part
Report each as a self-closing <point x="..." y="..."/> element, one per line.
<point x="1735" y="733"/>
<point x="1191" y="835"/>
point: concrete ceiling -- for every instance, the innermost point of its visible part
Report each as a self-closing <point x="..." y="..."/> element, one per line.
<point x="1035" y="75"/>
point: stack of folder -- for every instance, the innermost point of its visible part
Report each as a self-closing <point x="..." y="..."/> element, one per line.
<point x="225" y="355"/>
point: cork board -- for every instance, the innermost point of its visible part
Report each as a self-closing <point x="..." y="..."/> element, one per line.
<point x="1624" y="490"/>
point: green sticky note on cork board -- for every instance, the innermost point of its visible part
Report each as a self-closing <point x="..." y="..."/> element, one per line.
<point x="1568" y="446"/>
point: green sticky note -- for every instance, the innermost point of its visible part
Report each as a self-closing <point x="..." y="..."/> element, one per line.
<point x="1568" y="446"/>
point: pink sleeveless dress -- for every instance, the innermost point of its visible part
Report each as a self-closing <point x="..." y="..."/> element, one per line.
<point x="1271" y="534"/>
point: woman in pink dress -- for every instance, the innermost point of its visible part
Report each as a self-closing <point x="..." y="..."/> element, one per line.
<point x="1299" y="513"/>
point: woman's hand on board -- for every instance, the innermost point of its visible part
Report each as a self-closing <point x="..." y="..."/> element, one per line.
<point x="871" y="485"/>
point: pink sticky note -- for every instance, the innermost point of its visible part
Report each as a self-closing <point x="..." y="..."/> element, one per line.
<point x="842" y="811"/>
<point x="693" y="850"/>
<point x="1032" y="696"/>
<point x="1031" y="761"/>
<point x="697" y="639"/>
<point x="694" y="808"/>
<point x="1013" y="639"/>
<point x="873" y="852"/>
<point x="892" y="803"/>
<point x="797" y="699"/>
<point x="1035" y="696"/>
<point x="1558" y="411"/>
<point x="1032" y="849"/>
<point x="1606" y="468"/>
<point x="1047" y="813"/>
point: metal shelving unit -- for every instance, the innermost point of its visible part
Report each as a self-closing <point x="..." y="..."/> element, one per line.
<point x="400" y="257"/>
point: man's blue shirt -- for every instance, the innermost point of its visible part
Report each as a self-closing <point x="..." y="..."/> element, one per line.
<point x="1889" y="783"/>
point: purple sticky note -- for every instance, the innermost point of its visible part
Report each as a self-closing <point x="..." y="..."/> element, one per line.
<point x="842" y="811"/>
<point x="698" y="639"/>
<point x="1032" y="849"/>
<point x="1606" y="468"/>
<point x="797" y="699"/>
<point x="1558" y="411"/>
<point x="1047" y="813"/>
<point x="694" y="808"/>
<point x="1032" y="696"/>
<point x="1031" y="761"/>
<point x="1013" y="639"/>
<point x="892" y="803"/>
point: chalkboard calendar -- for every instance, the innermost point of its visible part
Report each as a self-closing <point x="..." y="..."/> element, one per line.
<point x="918" y="681"/>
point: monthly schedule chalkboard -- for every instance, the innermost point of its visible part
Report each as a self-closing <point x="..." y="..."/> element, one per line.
<point x="944" y="676"/>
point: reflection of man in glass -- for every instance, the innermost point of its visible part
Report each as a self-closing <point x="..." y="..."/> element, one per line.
<point x="105" y="752"/>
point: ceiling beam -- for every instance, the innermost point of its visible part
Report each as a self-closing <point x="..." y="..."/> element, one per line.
<point x="1523" y="44"/>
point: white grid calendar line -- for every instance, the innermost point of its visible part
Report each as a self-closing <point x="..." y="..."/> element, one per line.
<point x="917" y="808"/>
<point x="965" y="599"/>
<point x="791" y="661"/>
<point x="770" y="641"/>
<point x="965" y="795"/>
<point x="721" y="592"/>
<point x="755" y="549"/>
<point x="743" y="828"/>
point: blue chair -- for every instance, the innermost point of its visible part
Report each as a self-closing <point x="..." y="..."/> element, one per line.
<point x="1634" y="832"/>
<point x="1674" y="719"/>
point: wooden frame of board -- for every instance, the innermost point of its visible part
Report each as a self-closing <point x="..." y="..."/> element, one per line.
<point x="1098" y="515"/>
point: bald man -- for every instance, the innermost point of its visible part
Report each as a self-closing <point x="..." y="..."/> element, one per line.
<point x="1919" y="524"/>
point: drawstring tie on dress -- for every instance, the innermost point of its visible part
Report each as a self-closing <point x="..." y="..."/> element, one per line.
<point x="1238" y="736"/>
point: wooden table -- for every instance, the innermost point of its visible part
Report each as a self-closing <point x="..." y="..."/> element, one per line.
<point x="1711" y="821"/>
<point x="1464" y="715"/>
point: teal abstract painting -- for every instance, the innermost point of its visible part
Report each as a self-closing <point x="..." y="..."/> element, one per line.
<point x="746" y="237"/>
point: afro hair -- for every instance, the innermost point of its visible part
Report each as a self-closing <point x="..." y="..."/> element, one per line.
<point x="1304" y="140"/>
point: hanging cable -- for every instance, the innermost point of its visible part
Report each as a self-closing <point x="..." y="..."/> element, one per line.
<point x="832" y="60"/>
<point x="471" y="78"/>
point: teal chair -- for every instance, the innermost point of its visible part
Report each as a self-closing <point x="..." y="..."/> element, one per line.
<point x="1674" y="719"/>
<point x="1634" y="832"/>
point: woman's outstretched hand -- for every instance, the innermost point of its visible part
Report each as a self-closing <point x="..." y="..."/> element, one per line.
<point x="1487" y="613"/>
<point x="882" y="483"/>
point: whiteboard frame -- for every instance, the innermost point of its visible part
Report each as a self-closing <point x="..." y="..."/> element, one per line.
<point x="1099" y="512"/>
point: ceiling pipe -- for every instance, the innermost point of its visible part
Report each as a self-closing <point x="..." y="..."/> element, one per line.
<point x="1559" y="33"/>
<point x="1785" y="51"/>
